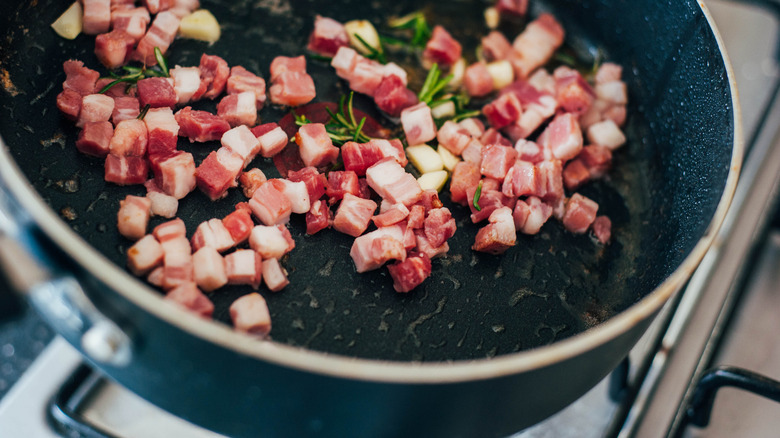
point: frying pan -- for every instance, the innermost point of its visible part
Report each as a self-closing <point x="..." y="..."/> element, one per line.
<point x="485" y="347"/>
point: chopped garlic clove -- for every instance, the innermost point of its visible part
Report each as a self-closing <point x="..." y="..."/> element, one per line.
<point x="492" y="17"/>
<point x="445" y="110"/>
<point x="433" y="180"/>
<point x="365" y="30"/>
<point x="424" y="158"/>
<point x="448" y="159"/>
<point x="68" y="25"/>
<point x="502" y="73"/>
<point x="200" y="25"/>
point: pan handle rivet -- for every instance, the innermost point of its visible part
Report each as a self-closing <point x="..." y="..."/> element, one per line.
<point x="105" y="343"/>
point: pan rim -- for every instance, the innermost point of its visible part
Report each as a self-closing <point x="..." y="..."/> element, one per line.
<point x="334" y="365"/>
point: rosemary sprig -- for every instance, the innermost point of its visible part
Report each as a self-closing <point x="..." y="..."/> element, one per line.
<point x="135" y="74"/>
<point x="418" y="24"/>
<point x="433" y="86"/>
<point x="377" y="54"/>
<point x="342" y="126"/>
<point x="143" y="112"/>
<point x="477" y="194"/>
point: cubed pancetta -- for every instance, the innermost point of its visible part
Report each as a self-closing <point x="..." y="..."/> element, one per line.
<point x="190" y="297"/>
<point x="133" y="216"/>
<point x="250" y="315"/>
<point x="441" y="48"/>
<point x="94" y="138"/>
<point x="411" y="272"/>
<point x="271" y="242"/>
<point x="238" y="109"/>
<point x="95" y="108"/>
<point x="208" y="269"/>
<point x="269" y="203"/>
<point x="499" y="235"/>
<point x="315" y="146"/>
<point x="327" y="37"/>
<point x="214" y="234"/>
<point x="274" y="275"/>
<point x="388" y="179"/>
<point x="418" y="124"/>
<point x="200" y="126"/>
<point x="242" y="80"/>
<point x="244" y="267"/>
<point x="353" y="215"/>
<point x="580" y="213"/>
<point x="145" y="255"/>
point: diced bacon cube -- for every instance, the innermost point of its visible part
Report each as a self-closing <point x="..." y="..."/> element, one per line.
<point x="490" y="199"/>
<point x="423" y="245"/>
<point x="95" y="108"/>
<point x="251" y="180"/>
<point x="492" y="136"/>
<point x="538" y="213"/>
<point x="499" y="235"/>
<point x="298" y="194"/>
<point x="552" y="174"/>
<point x="523" y="179"/>
<point x="155" y="276"/>
<point x="113" y="48"/>
<point x="503" y="111"/>
<point x="575" y="174"/>
<point x="536" y="44"/>
<point x="130" y="20"/>
<point x="314" y="181"/>
<point x="145" y="255"/>
<point x="156" y="92"/>
<point x="341" y="182"/>
<point x="244" y="267"/>
<point x="186" y="82"/>
<point x="474" y="126"/>
<point x="573" y="93"/>
<point x="512" y="8"/>
<point x="214" y="234"/>
<point x="580" y="213"/>
<point x="520" y="213"/>
<point x="79" y="78"/>
<point x="272" y="140"/>
<point x="125" y="170"/>
<point x="271" y="242"/>
<point x="208" y="269"/>
<point x="238" y="109"/>
<point x="250" y="315"/>
<point x="495" y="46"/>
<point x="597" y="158"/>
<point x="274" y="275"/>
<point x="163" y="119"/>
<point x="96" y="18"/>
<point x="242" y="80"/>
<point x="161" y="143"/>
<point x="243" y="142"/>
<point x="439" y="226"/>
<point x="391" y="148"/>
<point x="160" y="35"/>
<point x="69" y="103"/>
<point x="269" y="203"/>
<point x="318" y="217"/>
<point x="530" y="152"/>
<point x="392" y="96"/>
<point x="315" y="146"/>
<point x="366" y="76"/>
<point x="125" y="108"/>
<point x="155" y="6"/>
<point x="327" y="37"/>
<point x="453" y="137"/>
<point x="477" y="80"/>
<point x="239" y="225"/>
<point x="130" y="139"/>
<point x="441" y="48"/>
<point x="396" y="213"/>
<point x="353" y="215"/>
<point x="133" y="216"/>
<point x="162" y="204"/>
<point x="563" y="136"/>
<point x="410" y="273"/>
<point x="374" y="249"/>
<point x="285" y="64"/>
<point x="190" y="297"/>
<point x="177" y="262"/>
<point x="94" y="138"/>
<point x="614" y="92"/>
<point x="200" y="126"/>
<point x="214" y="73"/>
<point x="602" y="229"/>
<point x="172" y="229"/>
<point x="496" y="160"/>
<point x="464" y="176"/>
<point x="390" y="181"/>
<point x="292" y="88"/>
<point x="344" y="61"/>
<point x="473" y="152"/>
<point x="418" y="124"/>
<point x="218" y="172"/>
<point x="606" y="133"/>
<point x="175" y="173"/>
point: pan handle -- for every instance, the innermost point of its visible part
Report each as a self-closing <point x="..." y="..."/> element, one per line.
<point x="57" y="296"/>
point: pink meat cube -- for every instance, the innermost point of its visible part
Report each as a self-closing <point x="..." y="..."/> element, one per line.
<point x="563" y="137"/>
<point x="292" y="88"/>
<point x="392" y="96"/>
<point x="373" y="249"/>
<point x="477" y="80"/>
<point x="175" y="173"/>
<point x="580" y="213"/>
<point x="156" y="92"/>
<point x="241" y="141"/>
<point x="113" y="48"/>
<point x="503" y="111"/>
<point x="464" y="176"/>
<point x="341" y="182"/>
<point x="214" y="234"/>
<point x="286" y="64"/>
<point x="94" y="138"/>
<point x="538" y="213"/>
<point x="130" y="139"/>
<point x="95" y="108"/>
<point x="244" y="267"/>
<point x="190" y="297"/>
<point x="441" y="48"/>
<point x="439" y="226"/>
<point x="602" y="229"/>
<point x="251" y="180"/>
<point x="573" y="93"/>
<point x="536" y="44"/>
<point x="453" y="137"/>
<point x="271" y="242"/>
<point x="160" y="35"/>
<point x="269" y="203"/>
<point x="497" y="160"/>
<point x="418" y="124"/>
<point x="315" y="146"/>
<point x="250" y="315"/>
<point x="353" y="215"/>
<point x="390" y="181"/>
<point x="96" y="17"/>
<point x="495" y="46"/>
<point x="200" y="126"/>
<point x="274" y="275"/>
<point x="318" y="218"/>
<point x="133" y="216"/>
<point x="327" y="37"/>
<point x="315" y="181"/>
<point x="125" y="170"/>
<point x="242" y="80"/>
<point x="208" y="269"/>
<point x="214" y="73"/>
<point x="69" y="104"/>
<point x="145" y="255"/>
<point x="173" y="229"/>
<point x="125" y="108"/>
<point x="162" y="204"/>
<point x="298" y="194"/>
<point x="499" y="235"/>
<point x="239" y="224"/>
<point x="218" y="172"/>
<point x="79" y="78"/>
<point x="238" y="109"/>
<point x="410" y="273"/>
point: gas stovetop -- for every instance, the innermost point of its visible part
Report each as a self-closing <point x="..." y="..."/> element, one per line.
<point x="725" y="316"/>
